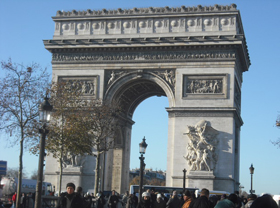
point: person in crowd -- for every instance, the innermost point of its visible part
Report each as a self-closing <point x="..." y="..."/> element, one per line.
<point x="240" y="201"/>
<point x="174" y="201"/>
<point x="30" y="202"/>
<point x="251" y="199"/>
<point x="124" y="199"/>
<point x="14" y="199"/>
<point x="153" y="195"/>
<point x="145" y="201"/>
<point x="164" y="197"/>
<point x="187" y="199"/>
<point x="265" y="201"/>
<point x="113" y="200"/>
<point x="214" y="199"/>
<point x="70" y="199"/>
<point x="135" y="199"/>
<point x="130" y="201"/>
<point x="80" y="191"/>
<point x="88" y="200"/>
<point x="159" y="203"/>
<point x="100" y="201"/>
<point x="23" y="201"/>
<point x="202" y="201"/>
<point x="231" y="202"/>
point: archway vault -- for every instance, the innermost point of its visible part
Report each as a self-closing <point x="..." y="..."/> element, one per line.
<point x="132" y="88"/>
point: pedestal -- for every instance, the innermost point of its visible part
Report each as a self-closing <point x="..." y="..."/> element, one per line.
<point x="71" y="174"/>
<point x="201" y="179"/>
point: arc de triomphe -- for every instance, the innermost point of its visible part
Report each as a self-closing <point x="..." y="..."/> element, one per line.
<point x="195" y="56"/>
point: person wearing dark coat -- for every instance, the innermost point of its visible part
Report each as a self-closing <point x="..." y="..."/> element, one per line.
<point x="130" y="202"/>
<point x="264" y="201"/>
<point x="70" y="199"/>
<point x="113" y="200"/>
<point x="145" y="202"/>
<point x="202" y="201"/>
<point x="159" y="203"/>
<point x="174" y="201"/>
<point x="100" y="201"/>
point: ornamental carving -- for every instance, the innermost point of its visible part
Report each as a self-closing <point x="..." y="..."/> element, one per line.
<point x="145" y="11"/>
<point x="141" y="56"/>
<point x="87" y="86"/>
<point x="201" y="149"/>
<point x="205" y="86"/>
<point x="167" y="75"/>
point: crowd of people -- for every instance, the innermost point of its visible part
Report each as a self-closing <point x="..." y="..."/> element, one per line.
<point x="206" y="201"/>
<point x="150" y="199"/>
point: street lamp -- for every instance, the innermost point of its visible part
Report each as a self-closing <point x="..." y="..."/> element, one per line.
<point x="184" y="180"/>
<point x="44" y="116"/>
<point x="142" y="149"/>
<point x="252" y="172"/>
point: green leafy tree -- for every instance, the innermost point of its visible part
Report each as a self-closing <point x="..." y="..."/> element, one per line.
<point x="21" y="88"/>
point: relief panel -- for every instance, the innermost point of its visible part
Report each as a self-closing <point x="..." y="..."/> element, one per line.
<point x="205" y="86"/>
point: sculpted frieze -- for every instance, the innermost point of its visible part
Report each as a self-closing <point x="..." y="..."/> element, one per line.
<point x="167" y="75"/>
<point x="207" y="85"/>
<point x="141" y="56"/>
<point x="87" y="85"/>
<point x="201" y="149"/>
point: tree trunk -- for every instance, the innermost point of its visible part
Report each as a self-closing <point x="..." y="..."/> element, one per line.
<point x="60" y="176"/>
<point x="96" y="185"/>
<point x="19" y="173"/>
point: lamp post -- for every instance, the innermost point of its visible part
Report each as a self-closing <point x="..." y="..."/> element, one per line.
<point x="184" y="180"/>
<point x="44" y="116"/>
<point x="142" y="149"/>
<point x="252" y="172"/>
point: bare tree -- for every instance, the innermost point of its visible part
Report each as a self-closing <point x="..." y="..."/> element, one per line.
<point x="103" y="127"/>
<point x="64" y="140"/>
<point x="34" y="175"/>
<point x="13" y="172"/>
<point x="21" y="88"/>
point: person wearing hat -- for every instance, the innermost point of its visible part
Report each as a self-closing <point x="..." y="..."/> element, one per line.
<point x="187" y="199"/>
<point x="70" y="199"/>
<point x="145" y="202"/>
<point x="159" y="202"/>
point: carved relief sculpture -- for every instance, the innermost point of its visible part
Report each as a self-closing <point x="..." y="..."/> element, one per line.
<point x="201" y="155"/>
<point x="204" y="86"/>
<point x="71" y="160"/>
<point x="86" y="86"/>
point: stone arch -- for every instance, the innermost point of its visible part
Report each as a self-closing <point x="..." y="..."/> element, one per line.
<point x="130" y="90"/>
<point x="138" y="86"/>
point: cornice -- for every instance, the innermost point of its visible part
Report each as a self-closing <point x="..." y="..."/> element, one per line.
<point x="146" y="11"/>
<point x="206" y="112"/>
<point x="145" y="40"/>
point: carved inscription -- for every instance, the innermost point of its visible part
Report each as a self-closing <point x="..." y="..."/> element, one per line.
<point x="140" y="56"/>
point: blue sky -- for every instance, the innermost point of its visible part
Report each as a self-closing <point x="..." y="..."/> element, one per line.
<point x="24" y="24"/>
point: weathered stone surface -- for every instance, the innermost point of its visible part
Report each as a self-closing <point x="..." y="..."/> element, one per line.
<point x="195" y="56"/>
